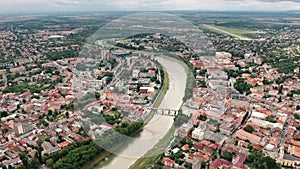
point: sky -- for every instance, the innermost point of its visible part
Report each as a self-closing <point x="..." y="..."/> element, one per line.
<point x="14" y="6"/>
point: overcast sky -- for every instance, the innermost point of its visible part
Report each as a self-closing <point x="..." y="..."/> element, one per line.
<point x="115" y="5"/>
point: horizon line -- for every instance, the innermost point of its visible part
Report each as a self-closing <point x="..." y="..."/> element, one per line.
<point x="120" y="11"/>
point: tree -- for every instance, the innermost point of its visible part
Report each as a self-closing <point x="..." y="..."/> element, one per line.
<point x="3" y="114"/>
<point x="49" y="162"/>
<point x="39" y="153"/>
<point x="297" y="116"/>
<point x="227" y="155"/>
<point x="270" y="163"/>
<point x="256" y="160"/>
<point x="279" y="99"/>
<point x="76" y="155"/>
<point x="45" y="123"/>
<point x="270" y="119"/>
<point x="97" y="95"/>
<point x="242" y="86"/>
<point x="180" y="119"/>
<point x="21" y="167"/>
<point x="55" y="112"/>
<point x="188" y="165"/>
<point x="67" y="114"/>
<point x="50" y="112"/>
<point x="280" y="89"/>
<point x="24" y="159"/>
<point x="34" y="164"/>
<point x="203" y="165"/>
<point x="249" y="129"/>
<point x="202" y="118"/>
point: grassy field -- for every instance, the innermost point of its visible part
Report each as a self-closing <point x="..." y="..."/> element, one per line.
<point x="125" y="74"/>
<point x="42" y="138"/>
<point x="111" y="113"/>
<point x="246" y="34"/>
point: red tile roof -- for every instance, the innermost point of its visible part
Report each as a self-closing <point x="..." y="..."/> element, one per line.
<point x="64" y="144"/>
<point x="170" y="161"/>
<point x="218" y="163"/>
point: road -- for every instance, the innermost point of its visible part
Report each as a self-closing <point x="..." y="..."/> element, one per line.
<point x="159" y="125"/>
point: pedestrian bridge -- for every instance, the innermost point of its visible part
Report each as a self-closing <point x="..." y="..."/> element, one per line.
<point x="167" y="112"/>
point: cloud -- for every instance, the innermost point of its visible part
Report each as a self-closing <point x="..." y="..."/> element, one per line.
<point x="115" y="5"/>
<point x="208" y="4"/>
<point x="203" y="4"/>
<point x="274" y="1"/>
<point x="65" y="2"/>
<point x="280" y="0"/>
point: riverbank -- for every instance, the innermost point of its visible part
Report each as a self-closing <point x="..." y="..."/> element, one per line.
<point x="160" y="97"/>
<point x="154" y="131"/>
<point x="106" y="157"/>
<point x="153" y="154"/>
<point x="101" y="157"/>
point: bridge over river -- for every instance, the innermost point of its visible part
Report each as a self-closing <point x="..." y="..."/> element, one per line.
<point x="168" y="112"/>
<point x="160" y="124"/>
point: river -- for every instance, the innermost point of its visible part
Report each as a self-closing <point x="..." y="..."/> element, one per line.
<point x="159" y="124"/>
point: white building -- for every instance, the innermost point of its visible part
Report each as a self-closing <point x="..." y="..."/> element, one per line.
<point x="258" y="115"/>
<point x="266" y="124"/>
<point x="198" y="133"/>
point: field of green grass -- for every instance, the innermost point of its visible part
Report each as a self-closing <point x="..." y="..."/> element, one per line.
<point x="42" y="138"/>
<point x="246" y="34"/>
